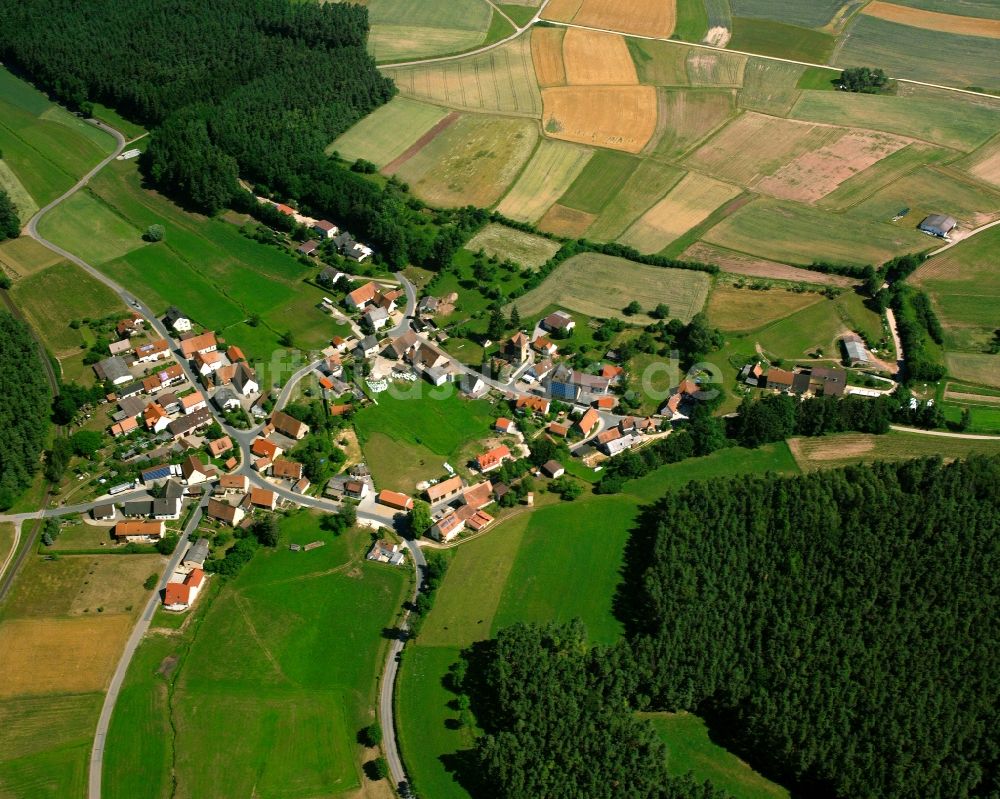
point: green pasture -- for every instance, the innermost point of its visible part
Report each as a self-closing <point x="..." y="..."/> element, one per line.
<point x="984" y="419"/>
<point x="806" y="13"/>
<point x="819" y="79"/>
<point x="649" y="182"/>
<point x="774" y="38"/>
<point x="905" y="51"/>
<point x="817" y="327"/>
<point x="406" y="438"/>
<point x="692" y="20"/>
<point x="691" y="749"/>
<point x="601" y="179"/>
<point x="87" y="227"/>
<point x="800" y="235"/>
<point x="23" y="201"/>
<point x="388" y="131"/>
<point x="949" y="121"/>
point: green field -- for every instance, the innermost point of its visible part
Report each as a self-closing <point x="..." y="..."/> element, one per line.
<point x="553" y="167"/>
<point x="817" y="327"/>
<point x="53" y="297"/>
<point x="807" y="13"/>
<point x="601" y="286"/>
<point x="23" y="201"/>
<point x="772" y="87"/>
<point x="659" y="63"/>
<point x="975" y="367"/>
<point x="800" y="235"/>
<point x="409" y="29"/>
<point x="769" y="37"/>
<point x="960" y="123"/>
<point x="692" y="20"/>
<point x="648" y="183"/>
<point x="691" y="749"/>
<point x="905" y="51"/>
<point x="844" y="449"/>
<point x="282" y="667"/>
<point x="688" y="115"/>
<point x="966" y="8"/>
<point x="90" y="229"/>
<point x="407" y="438"/>
<point x="601" y="179"/>
<point x="388" y="131"/>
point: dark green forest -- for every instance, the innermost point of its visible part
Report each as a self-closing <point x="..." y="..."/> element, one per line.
<point x="839" y="630"/>
<point x="10" y="224"/>
<point x="24" y="412"/>
<point x="251" y="88"/>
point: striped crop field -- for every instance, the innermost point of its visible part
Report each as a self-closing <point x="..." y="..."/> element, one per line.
<point x="387" y="132"/>
<point x="551" y="170"/>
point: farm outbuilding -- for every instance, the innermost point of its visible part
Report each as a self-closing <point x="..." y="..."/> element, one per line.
<point x="938" y="225"/>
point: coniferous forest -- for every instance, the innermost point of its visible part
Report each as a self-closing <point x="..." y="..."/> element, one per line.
<point x="251" y="88"/>
<point x="840" y="630"/>
<point x="24" y="412"/>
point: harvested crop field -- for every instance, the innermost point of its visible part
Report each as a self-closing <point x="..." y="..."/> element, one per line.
<point x="501" y="79"/>
<point x="551" y="170"/>
<point x="618" y="117"/>
<point x="735" y="310"/>
<point x="754" y="146"/>
<point x="815" y="174"/>
<point x="934" y="21"/>
<point x="523" y="248"/>
<point x="562" y="10"/>
<point x="738" y="263"/>
<point x="568" y="222"/>
<point x="797" y="234"/>
<point x="688" y="204"/>
<point x="594" y="58"/>
<point x="647" y="184"/>
<point x="547" y="56"/>
<point x="601" y="285"/>
<point x="975" y="367"/>
<point x="771" y="86"/>
<point x="24" y="256"/>
<point x="644" y="17"/>
<point x="715" y="69"/>
<point x="46" y="655"/>
<point x="472" y="162"/>
<point x="686" y="116"/>
<point x="388" y="132"/>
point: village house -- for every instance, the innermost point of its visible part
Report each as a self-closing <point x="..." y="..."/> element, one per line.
<point x="611" y="373"/>
<point x="206" y="342"/>
<point x="358" y="299"/>
<point x="206" y="363"/>
<point x="557" y="429"/>
<point x="375" y="318"/>
<point x="618" y="445"/>
<point x="351" y="249"/>
<point x="124" y="427"/>
<point x="245" y="380"/>
<point x="289" y="425"/>
<point x="479" y="495"/>
<point x="262" y="498"/>
<point x="606" y="403"/>
<point x="539" y="370"/>
<point x="779" y="379"/>
<point x="225" y="399"/>
<point x="449" y="526"/>
<point x="166" y="508"/>
<point x="558" y="322"/>
<point x="263" y="448"/>
<point x="153" y="351"/>
<point x="224" y="512"/>
<point x="133" y="325"/>
<point x="445" y="490"/>
<point x="588" y="422"/>
<point x="130" y="390"/>
<point x="493" y="459"/>
<point x="367" y="347"/>
<point x="154" y="474"/>
<point x="179" y="596"/>
<point x="176" y="321"/>
<point x="286" y="470"/>
<point x="503" y="425"/>
<point x="120" y="347"/>
<point x="233" y="482"/>
<point x="387" y="300"/>
<point x="193" y="402"/>
<point x="544" y="346"/>
<point x="163" y="378"/>
<point x="308" y="248"/>
<point x="139" y="531"/>
<point x="532" y="404"/>
<point x="103" y="513"/>
<point x="155" y="418"/>
<point x="340" y="344"/>
<point x="394" y="499"/>
<point x="194" y="471"/>
<point x="472" y="385"/>
<point x="384" y="551"/>
<point x="196" y="555"/>
<point x="179" y="428"/>
<point x="324" y="229"/>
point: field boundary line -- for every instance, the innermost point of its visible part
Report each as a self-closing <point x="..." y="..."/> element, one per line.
<point x="242" y="604"/>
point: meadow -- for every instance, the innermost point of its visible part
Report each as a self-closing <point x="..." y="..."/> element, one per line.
<point x="949" y="59"/>
<point x="691" y="749"/>
<point x="24" y="256"/>
<point x="408" y="438"/>
<point x="601" y="286"/>
<point x="770" y="37"/>
<point x="974" y="367"/>
<point x="526" y="249"/>
<point x="600" y="181"/>
<point x="740" y="310"/>
<point x="282" y="665"/>
<point x="23" y="202"/>
<point x="385" y="134"/>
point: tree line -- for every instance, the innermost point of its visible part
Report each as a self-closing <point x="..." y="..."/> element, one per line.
<point x="837" y="629"/>
<point x="10" y="222"/>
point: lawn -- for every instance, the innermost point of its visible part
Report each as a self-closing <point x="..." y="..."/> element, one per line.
<point x="690" y="748"/>
<point x="284" y="669"/>
<point x="388" y="131"/>
<point x="844" y="449"/>
<point x="601" y="286"/>
<point x="407" y="438"/>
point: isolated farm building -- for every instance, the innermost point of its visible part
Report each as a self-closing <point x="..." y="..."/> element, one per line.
<point x="289" y="425"/>
<point x="179" y="428"/>
<point x="558" y="322"/>
<point x="225" y="399"/>
<point x="120" y="347"/>
<point x="444" y="490"/>
<point x="588" y="422"/>
<point x="553" y="469"/>
<point x="533" y="404"/>
<point x="175" y="320"/>
<point x="139" y="531"/>
<point x="206" y="342"/>
<point x="854" y="348"/>
<point x="384" y="551"/>
<point x="262" y="498"/>
<point x="181" y="595"/>
<point x="394" y="499"/>
<point x="224" y="512"/>
<point x="938" y="225"/>
<point x="114" y="370"/>
<point x="196" y="555"/>
<point x="103" y="513"/>
<point x="493" y="459"/>
<point x="828" y="382"/>
<point x="779" y="379"/>
<point x="368" y="347"/>
<point x="360" y="297"/>
<point x="286" y="469"/>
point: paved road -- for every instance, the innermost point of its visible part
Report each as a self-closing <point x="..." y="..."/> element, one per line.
<point x="111" y="697"/>
<point x="386" y="705"/>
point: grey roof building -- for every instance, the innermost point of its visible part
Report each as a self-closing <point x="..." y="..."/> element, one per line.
<point x="113" y="369"/>
<point x="197" y="554"/>
<point x="141" y="507"/>
<point x="855" y="349"/>
<point x="938" y="225"/>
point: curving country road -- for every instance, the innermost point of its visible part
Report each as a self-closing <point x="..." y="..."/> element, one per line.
<point x="942" y="433"/>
